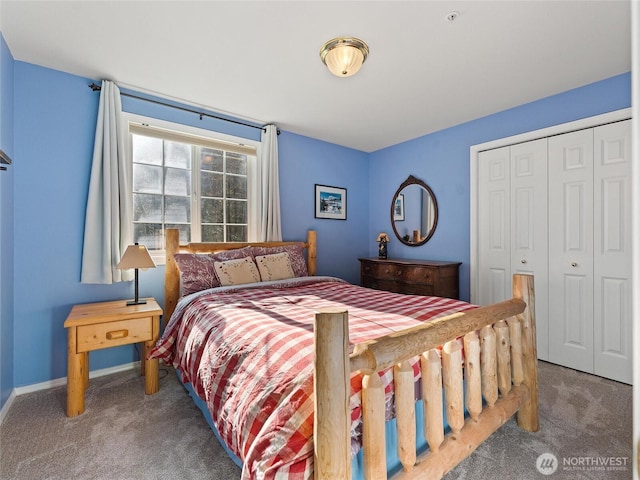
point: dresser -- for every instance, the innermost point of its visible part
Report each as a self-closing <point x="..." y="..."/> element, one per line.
<point x="416" y="277"/>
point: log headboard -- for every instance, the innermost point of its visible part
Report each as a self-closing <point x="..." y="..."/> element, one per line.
<point x="172" y="273"/>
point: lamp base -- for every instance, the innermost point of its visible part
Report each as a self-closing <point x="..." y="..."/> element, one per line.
<point x="136" y="302"/>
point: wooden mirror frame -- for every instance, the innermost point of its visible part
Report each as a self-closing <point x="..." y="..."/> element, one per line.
<point x="411" y="180"/>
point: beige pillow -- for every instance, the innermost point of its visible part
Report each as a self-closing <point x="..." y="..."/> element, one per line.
<point x="275" y="267"/>
<point x="237" y="272"/>
<point x="197" y="271"/>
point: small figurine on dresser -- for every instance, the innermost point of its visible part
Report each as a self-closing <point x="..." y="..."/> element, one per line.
<point x="382" y="240"/>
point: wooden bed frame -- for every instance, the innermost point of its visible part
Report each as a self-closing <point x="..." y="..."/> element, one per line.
<point x="499" y="366"/>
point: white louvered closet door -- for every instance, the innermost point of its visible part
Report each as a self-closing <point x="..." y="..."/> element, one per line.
<point x="612" y="251"/>
<point x="571" y="250"/>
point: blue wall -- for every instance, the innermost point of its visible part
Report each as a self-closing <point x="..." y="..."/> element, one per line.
<point x="441" y="159"/>
<point x="305" y="162"/>
<point x="6" y="224"/>
<point x="54" y="118"/>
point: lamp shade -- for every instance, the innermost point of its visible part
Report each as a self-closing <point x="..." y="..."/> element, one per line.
<point x="136" y="256"/>
<point x="344" y="56"/>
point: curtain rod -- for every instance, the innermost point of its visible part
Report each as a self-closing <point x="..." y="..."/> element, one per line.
<point x="96" y="87"/>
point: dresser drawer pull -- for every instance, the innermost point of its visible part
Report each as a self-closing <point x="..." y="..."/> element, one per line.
<point x="117" y="334"/>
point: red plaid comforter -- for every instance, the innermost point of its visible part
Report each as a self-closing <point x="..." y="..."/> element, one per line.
<point x="248" y="352"/>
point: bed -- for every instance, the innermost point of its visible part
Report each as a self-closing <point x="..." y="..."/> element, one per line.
<point x="442" y="373"/>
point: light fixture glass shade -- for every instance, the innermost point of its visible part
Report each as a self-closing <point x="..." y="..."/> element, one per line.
<point x="344" y="61"/>
<point x="136" y="256"/>
<point x="344" y="56"/>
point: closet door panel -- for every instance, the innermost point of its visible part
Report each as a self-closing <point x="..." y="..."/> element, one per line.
<point x="494" y="240"/>
<point x="529" y="252"/>
<point x="577" y="305"/>
<point x="571" y="250"/>
<point x="612" y="251"/>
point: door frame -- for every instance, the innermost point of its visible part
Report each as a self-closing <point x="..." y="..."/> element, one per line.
<point x="474" y="151"/>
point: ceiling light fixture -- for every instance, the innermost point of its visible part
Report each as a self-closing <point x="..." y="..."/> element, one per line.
<point x="344" y="56"/>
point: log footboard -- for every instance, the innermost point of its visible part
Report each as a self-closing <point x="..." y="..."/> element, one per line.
<point x="499" y="367"/>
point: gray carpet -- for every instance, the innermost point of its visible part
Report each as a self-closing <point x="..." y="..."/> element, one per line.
<point x="124" y="434"/>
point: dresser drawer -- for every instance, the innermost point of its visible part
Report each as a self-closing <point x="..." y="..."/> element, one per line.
<point x="416" y="289"/>
<point x="381" y="270"/>
<point x="112" y="334"/>
<point x="397" y="287"/>
<point x="411" y="274"/>
<point x="381" y="284"/>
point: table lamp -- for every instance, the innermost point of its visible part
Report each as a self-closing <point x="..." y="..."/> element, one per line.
<point x="136" y="256"/>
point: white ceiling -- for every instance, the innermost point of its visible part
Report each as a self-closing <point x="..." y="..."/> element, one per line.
<point x="260" y="60"/>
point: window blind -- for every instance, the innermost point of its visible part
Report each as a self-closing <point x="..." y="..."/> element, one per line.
<point x="171" y="135"/>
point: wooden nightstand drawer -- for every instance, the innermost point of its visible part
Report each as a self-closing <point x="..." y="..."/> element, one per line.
<point x="112" y="334"/>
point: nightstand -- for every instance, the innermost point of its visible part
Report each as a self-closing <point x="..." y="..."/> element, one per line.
<point x="94" y="326"/>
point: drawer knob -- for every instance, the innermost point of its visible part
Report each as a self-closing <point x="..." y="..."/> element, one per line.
<point x="117" y="334"/>
<point x="523" y="261"/>
<point x="574" y="264"/>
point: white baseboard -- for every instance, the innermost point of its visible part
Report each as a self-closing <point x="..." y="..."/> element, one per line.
<point x="59" y="382"/>
<point x="7" y="405"/>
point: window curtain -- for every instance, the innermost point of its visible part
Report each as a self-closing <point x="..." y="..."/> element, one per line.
<point x="108" y="222"/>
<point x="270" y="225"/>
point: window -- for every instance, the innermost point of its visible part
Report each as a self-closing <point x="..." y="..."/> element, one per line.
<point x="192" y="181"/>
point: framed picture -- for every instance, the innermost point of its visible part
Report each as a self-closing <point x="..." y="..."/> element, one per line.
<point x="398" y="208"/>
<point x="331" y="202"/>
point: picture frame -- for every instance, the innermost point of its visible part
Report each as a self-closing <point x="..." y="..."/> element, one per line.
<point x="330" y="202"/>
<point x="398" y="208"/>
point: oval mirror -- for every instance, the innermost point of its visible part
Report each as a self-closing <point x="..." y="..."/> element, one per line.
<point x="414" y="212"/>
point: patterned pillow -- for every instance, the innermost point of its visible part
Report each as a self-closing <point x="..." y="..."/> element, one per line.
<point x="237" y="272"/>
<point x="296" y="256"/>
<point x="197" y="270"/>
<point x="274" y="267"/>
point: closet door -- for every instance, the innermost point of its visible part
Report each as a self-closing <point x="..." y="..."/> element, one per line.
<point x="612" y="248"/>
<point x="571" y="250"/>
<point x="494" y="241"/>
<point x="529" y="252"/>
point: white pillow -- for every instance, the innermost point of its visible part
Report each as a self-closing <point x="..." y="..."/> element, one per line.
<point x="237" y="272"/>
<point x="275" y="267"/>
